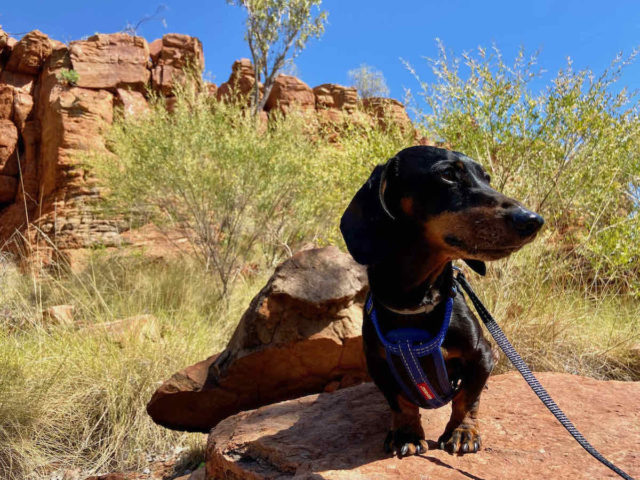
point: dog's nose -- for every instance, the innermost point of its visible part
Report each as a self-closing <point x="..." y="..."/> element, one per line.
<point x="525" y="222"/>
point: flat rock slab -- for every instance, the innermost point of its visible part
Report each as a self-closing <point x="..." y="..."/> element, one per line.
<point x="339" y="436"/>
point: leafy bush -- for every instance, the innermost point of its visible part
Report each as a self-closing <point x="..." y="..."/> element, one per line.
<point x="240" y="189"/>
<point x="569" y="152"/>
<point x="68" y="76"/>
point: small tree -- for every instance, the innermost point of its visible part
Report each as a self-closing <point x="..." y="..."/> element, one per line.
<point x="275" y="29"/>
<point x="369" y="82"/>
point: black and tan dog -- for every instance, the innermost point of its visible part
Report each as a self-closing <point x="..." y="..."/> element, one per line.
<point x="415" y="214"/>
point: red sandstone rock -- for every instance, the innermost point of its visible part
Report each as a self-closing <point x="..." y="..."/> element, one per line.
<point x="6" y="102"/>
<point x="300" y="334"/>
<point x="19" y="81"/>
<point x="290" y="92"/>
<point x="111" y="61"/>
<point x="240" y="81"/>
<point x="8" y="146"/>
<point x="22" y="107"/>
<point x="132" y="103"/>
<point x="73" y="120"/>
<point x="59" y="315"/>
<point x="386" y="110"/>
<point x="8" y="188"/>
<point x="155" y="48"/>
<point x="211" y="88"/>
<point x="339" y="436"/>
<point x="333" y="96"/>
<point x="30" y="53"/>
<point x="178" y="52"/>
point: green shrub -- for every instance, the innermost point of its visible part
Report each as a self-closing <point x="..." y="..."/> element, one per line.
<point x="68" y="76"/>
<point x="241" y="192"/>
<point x="569" y="151"/>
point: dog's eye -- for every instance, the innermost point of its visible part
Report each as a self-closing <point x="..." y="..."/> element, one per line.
<point x="487" y="177"/>
<point x="449" y="175"/>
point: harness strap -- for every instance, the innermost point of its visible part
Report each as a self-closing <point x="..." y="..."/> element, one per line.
<point x="403" y="354"/>
<point x="533" y="382"/>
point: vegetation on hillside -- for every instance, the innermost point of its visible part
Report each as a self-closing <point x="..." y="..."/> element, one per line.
<point x="247" y="194"/>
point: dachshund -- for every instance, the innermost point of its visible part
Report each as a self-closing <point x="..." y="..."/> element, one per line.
<point x="418" y="212"/>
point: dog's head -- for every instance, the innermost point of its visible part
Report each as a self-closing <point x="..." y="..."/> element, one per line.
<point x="445" y="201"/>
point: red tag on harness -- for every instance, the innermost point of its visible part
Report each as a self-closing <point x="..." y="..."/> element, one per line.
<point x="425" y="391"/>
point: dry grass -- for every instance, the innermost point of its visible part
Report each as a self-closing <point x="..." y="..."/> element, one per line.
<point x="75" y="395"/>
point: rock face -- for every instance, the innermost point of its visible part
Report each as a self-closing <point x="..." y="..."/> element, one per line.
<point x="290" y="92"/>
<point x="111" y="61"/>
<point x="48" y="122"/>
<point x="300" y="335"/>
<point x="241" y="80"/>
<point x="331" y="95"/>
<point x="339" y="436"/>
<point x="30" y="53"/>
<point x="177" y="53"/>
<point x="8" y="145"/>
<point x="387" y="110"/>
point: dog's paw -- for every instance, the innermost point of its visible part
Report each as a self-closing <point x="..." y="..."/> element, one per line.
<point x="404" y="443"/>
<point x="464" y="439"/>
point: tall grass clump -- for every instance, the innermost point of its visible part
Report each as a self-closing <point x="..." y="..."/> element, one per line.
<point x="74" y="396"/>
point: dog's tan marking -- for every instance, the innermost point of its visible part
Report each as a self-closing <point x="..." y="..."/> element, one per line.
<point x="406" y="203"/>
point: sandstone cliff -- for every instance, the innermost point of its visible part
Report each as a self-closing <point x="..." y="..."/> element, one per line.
<point x="56" y="101"/>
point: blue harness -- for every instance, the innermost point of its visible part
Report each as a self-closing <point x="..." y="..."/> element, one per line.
<point x="404" y="347"/>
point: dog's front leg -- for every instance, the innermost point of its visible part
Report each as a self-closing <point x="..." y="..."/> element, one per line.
<point x="406" y="436"/>
<point x="462" y="434"/>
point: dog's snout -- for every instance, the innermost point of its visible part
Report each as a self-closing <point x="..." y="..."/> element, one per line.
<point x="525" y="222"/>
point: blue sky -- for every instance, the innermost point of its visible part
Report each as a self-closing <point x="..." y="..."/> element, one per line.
<point x="367" y="31"/>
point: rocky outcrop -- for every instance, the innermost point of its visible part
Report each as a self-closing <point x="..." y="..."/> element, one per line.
<point x="178" y="52"/>
<point x="340" y="436"/>
<point x="387" y="111"/>
<point x="66" y="119"/>
<point x="57" y="101"/>
<point x="300" y="335"/>
<point x="30" y="53"/>
<point x="333" y="101"/>
<point x="290" y="93"/>
<point x="241" y="81"/>
<point x="111" y="61"/>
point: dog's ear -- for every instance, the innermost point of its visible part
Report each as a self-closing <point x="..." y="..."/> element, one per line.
<point x="366" y="224"/>
<point x="477" y="266"/>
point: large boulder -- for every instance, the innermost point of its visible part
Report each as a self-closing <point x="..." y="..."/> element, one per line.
<point x="335" y="103"/>
<point x="331" y="95"/>
<point x="8" y="148"/>
<point x="22" y="108"/>
<point x="300" y="335"/>
<point x="241" y="81"/>
<point x="111" y="61"/>
<point x="339" y="436"/>
<point x="289" y="93"/>
<point x="178" y="52"/>
<point x="387" y="111"/>
<point x="30" y="53"/>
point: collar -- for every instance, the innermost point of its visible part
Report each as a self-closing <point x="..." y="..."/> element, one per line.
<point x="431" y="299"/>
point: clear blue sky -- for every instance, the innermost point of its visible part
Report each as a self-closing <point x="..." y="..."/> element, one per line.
<point x="367" y="31"/>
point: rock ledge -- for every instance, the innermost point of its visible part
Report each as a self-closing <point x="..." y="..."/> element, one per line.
<point x="339" y="436"/>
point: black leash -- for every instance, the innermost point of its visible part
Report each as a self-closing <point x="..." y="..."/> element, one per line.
<point x="533" y="382"/>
